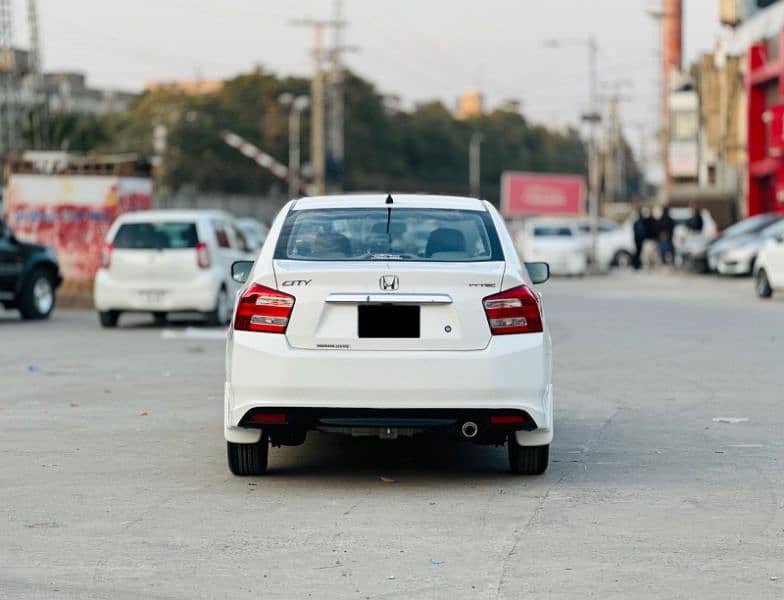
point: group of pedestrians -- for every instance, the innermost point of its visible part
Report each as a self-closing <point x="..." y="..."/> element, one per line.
<point x="653" y="238"/>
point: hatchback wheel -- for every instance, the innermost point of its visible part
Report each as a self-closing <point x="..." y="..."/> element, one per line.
<point x="248" y="459"/>
<point x="623" y="260"/>
<point x="762" y="285"/>
<point x="222" y="313"/>
<point x="108" y="318"/>
<point x="37" y="299"/>
<point x="527" y="460"/>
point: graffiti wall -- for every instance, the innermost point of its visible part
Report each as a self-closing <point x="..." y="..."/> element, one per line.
<point x="72" y="213"/>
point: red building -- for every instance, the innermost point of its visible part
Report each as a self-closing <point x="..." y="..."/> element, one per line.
<point x="765" y="126"/>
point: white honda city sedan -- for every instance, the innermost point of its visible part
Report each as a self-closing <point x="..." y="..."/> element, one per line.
<point x="388" y="316"/>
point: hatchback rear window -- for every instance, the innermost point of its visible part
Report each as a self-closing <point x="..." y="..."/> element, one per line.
<point x="411" y="234"/>
<point x="552" y="232"/>
<point x="158" y="236"/>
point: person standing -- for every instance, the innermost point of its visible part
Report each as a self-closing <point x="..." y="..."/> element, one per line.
<point x="695" y="222"/>
<point x="650" y="244"/>
<point x="666" y="229"/>
<point x="639" y="238"/>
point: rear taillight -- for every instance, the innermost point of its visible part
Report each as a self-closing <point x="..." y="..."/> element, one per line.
<point x="106" y="256"/>
<point x="263" y="309"/>
<point x="513" y="311"/>
<point x="202" y="255"/>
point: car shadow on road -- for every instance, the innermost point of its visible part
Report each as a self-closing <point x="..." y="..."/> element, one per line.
<point x="418" y="459"/>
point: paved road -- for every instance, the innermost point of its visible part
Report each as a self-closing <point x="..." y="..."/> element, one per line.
<point x="113" y="481"/>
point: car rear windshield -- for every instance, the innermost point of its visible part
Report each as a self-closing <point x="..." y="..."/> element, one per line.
<point x="159" y="236"/>
<point x="552" y="231"/>
<point x="411" y="234"/>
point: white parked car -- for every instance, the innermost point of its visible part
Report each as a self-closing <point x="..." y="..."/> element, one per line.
<point x="255" y="232"/>
<point x="614" y="242"/>
<point x="769" y="267"/>
<point x="162" y="262"/>
<point x="388" y="316"/>
<point x="556" y="241"/>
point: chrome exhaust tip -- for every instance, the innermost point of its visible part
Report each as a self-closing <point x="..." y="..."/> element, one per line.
<point x="469" y="430"/>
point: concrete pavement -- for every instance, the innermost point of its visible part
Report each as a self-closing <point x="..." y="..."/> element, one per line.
<point x="113" y="482"/>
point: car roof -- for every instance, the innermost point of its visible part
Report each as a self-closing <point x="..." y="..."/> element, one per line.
<point x="171" y="215"/>
<point x="378" y="200"/>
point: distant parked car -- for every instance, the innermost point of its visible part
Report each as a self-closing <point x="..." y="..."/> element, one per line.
<point x="683" y="237"/>
<point x="29" y="276"/>
<point x="614" y="242"/>
<point x="556" y="241"/>
<point x="255" y="232"/>
<point x="695" y="254"/>
<point x="161" y="262"/>
<point x="738" y="255"/>
<point x="769" y="268"/>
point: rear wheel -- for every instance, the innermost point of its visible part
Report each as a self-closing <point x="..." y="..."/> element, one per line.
<point x="623" y="259"/>
<point x="37" y="299"/>
<point x="222" y="312"/>
<point x="527" y="460"/>
<point x="248" y="459"/>
<point x="762" y="285"/>
<point x="108" y="318"/>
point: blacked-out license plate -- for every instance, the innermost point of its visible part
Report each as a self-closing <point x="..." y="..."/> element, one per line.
<point x="388" y="321"/>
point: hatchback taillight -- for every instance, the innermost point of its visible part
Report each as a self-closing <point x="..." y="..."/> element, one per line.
<point x="513" y="311"/>
<point x="106" y="256"/>
<point x="202" y="255"/>
<point x="263" y="309"/>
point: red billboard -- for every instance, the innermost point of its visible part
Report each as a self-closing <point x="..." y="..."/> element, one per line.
<point x="524" y="194"/>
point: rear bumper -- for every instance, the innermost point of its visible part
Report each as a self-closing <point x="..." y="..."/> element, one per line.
<point x="511" y="374"/>
<point x="198" y="294"/>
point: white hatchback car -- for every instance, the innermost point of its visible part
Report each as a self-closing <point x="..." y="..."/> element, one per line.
<point x="769" y="266"/>
<point x="556" y="241"/>
<point x="388" y="316"/>
<point x="168" y="261"/>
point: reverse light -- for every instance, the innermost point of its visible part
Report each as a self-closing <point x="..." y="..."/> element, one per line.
<point x="263" y="309"/>
<point x="203" y="255"/>
<point x="513" y="311"/>
<point x="106" y="255"/>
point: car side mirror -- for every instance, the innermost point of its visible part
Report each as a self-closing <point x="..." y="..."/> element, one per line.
<point x="240" y="270"/>
<point x="538" y="271"/>
<point x="780" y="238"/>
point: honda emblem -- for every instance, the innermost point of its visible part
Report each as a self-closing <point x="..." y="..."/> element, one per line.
<point x="389" y="282"/>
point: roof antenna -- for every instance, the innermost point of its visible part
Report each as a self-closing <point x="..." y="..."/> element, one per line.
<point x="389" y="202"/>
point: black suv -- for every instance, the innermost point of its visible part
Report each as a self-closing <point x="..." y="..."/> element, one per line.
<point x="29" y="275"/>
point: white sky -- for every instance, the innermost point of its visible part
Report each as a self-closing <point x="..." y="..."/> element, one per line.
<point x="420" y="49"/>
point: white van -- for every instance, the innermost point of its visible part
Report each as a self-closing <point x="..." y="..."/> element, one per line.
<point x="161" y="262"/>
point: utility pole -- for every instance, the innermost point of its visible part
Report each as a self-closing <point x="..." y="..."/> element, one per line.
<point x="317" y="146"/>
<point x="593" y="118"/>
<point x="297" y="106"/>
<point x="9" y="123"/>
<point x="323" y="123"/>
<point x="475" y="164"/>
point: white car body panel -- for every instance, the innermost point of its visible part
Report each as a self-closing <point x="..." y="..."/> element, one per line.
<point x="565" y="255"/>
<point x="167" y="280"/>
<point x="771" y="259"/>
<point x="466" y="369"/>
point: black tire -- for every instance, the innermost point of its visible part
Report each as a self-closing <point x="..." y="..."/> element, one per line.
<point x="38" y="295"/>
<point x="160" y="318"/>
<point x="248" y="459"/>
<point x="527" y="460"/>
<point x="623" y="260"/>
<point x="108" y="318"/>
<point x="762" y="285"/>
<point x="221" y="314"/>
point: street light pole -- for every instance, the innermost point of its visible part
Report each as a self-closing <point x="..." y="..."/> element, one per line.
<point x="593" y="117"/>
<point x="475" y="164"/>
<point x="298" y="105"/>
